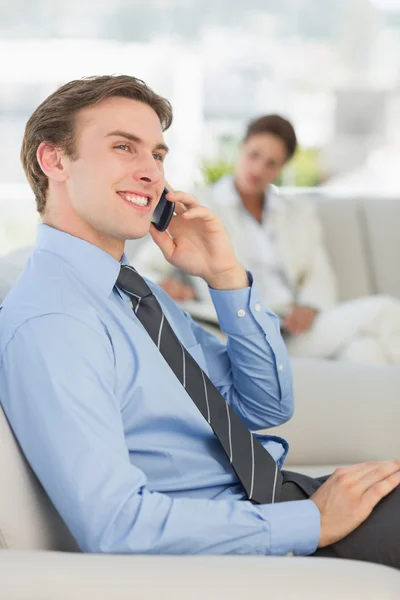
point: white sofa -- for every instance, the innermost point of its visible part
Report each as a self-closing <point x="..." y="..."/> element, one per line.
<point x="39" y="560"/>
<point x="348" y="413"/>
<point x="344" y="414"/>
<point x="362" y="236"/>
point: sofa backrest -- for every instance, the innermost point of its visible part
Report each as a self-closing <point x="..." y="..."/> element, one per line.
<point x="363" y="241"/>
<point x="28" y="520"/>
<point x="382" y="224"/>
<point x="344" y="236"/>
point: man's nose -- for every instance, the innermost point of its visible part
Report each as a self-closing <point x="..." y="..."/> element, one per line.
<point x="147" y="171"/>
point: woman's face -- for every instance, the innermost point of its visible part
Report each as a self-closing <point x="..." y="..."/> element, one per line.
<point x="262" y="158"/>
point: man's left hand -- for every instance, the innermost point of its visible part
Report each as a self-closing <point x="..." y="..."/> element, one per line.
<point x="299" y="320"/>
<point x="197" y="243"/>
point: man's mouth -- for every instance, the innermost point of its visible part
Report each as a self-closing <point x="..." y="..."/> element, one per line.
<point x="137" y="199"/>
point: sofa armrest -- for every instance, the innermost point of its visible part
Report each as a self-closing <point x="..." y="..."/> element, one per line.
<point x="50" y="575"/>
<point x="344" y="413"/>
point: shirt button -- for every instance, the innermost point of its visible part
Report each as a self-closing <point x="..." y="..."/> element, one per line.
<point x="257" y="307"/>
<point x="241" y="312"/>
<point x="281" y="367"/>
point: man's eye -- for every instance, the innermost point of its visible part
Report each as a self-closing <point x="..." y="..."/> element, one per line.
<point x="159" y="157"/>
<point x="124" y="147"/>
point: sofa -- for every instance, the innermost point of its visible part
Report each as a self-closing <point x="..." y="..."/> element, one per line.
<point x="39" y="559"/>
<point x="359" y="406"/>
<point x="344" y="414"/>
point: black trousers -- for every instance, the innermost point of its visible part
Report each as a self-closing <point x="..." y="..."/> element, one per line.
<point x="376" y="540"/>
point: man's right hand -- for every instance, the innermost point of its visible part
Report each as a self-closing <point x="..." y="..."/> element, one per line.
<point x="177" y="290"/>
<point x="348" y="497"/>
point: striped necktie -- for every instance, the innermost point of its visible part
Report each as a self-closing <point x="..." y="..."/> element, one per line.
<point x="254" y="466"/>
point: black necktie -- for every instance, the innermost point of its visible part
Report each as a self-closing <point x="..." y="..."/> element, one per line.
<point x="253" y="465"/>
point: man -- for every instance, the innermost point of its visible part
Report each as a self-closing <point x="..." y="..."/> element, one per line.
<point x="138" y="450"/>
<point x="280" y="241"/>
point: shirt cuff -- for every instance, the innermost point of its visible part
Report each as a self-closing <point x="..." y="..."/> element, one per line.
<point x="240" y="311"/>
<point x="294" y="527"/>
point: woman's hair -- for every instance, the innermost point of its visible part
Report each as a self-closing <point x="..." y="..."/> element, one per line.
<point x="274" y="125"/>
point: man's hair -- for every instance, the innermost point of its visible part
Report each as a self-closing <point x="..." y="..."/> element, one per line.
<point x="274" y="125"/>
<point x="54" y="120"/>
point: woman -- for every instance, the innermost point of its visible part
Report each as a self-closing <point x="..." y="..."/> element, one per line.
<point x="280" y="241"/>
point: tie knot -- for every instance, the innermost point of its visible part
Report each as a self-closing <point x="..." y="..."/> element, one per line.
<point x="133" y="284"/>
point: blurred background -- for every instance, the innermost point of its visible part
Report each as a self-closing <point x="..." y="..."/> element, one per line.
<point x="331" y="67"/>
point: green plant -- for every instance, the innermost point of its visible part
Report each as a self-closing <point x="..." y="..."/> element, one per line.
<point x="307" y="167"/>
<point x="303" y="170"/>
<point x="214" y="170"/>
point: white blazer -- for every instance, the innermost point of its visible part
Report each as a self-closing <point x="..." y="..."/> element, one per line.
<point x="298" y="239"/>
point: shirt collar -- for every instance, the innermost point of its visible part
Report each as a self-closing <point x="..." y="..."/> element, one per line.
<point x="274" y="199"/>
<point x="95" y="266"/>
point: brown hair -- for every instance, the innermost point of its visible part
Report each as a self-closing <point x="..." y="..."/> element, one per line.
<point x="275" y="125"/>
<point x="54" y="120"/>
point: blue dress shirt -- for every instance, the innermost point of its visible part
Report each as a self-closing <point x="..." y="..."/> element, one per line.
<point x="118" y="445"/>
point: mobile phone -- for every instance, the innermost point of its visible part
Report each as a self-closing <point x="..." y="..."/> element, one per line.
<point x="163" y="213"/>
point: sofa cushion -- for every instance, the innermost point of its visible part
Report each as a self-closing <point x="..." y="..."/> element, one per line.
<point x="50" y="575"/>
<point x="27" y="518"/>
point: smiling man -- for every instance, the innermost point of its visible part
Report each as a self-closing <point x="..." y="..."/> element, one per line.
<point x="137" y="421"/>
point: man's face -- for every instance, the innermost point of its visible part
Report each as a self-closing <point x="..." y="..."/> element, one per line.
<point x="117" y="176"/>
<point x="262" y="158"/>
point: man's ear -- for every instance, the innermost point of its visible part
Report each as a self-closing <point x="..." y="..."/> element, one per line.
<point x="51" y="161"/>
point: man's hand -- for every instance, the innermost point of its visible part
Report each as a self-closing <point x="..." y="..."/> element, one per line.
<point x="299" y="320"/>
<point x="348" y="497"/>
<point x="176" y="290"/>
<point x="197" y="243"/>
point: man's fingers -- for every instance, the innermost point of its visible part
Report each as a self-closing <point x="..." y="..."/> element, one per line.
<point x="187" y="200"/>
<point x="180" y="208"/>
<point x="164" y="241"/>
<point x="379" y="472"/>
<point x="357" y="471"/>
<point x="379" y="490"/>
<point x="364" y="475"/>
<point x="199" y="212"/>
